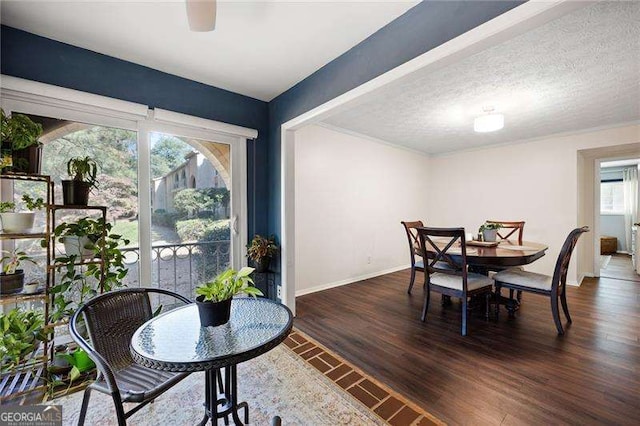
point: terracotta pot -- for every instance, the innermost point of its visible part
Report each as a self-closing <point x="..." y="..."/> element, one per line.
<point x="12" y="283"/>
<point x="17" y="222"/>
<point x="213" y="314"/>
<point x="75" y="193"/>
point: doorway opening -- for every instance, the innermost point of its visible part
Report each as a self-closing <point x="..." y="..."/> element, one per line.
<point x="619" y="198"/>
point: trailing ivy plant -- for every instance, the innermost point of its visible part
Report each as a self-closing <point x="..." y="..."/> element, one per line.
<point x="81" y="281"/>
<point x="20" y="130"/>
<point x="22" y="332"/>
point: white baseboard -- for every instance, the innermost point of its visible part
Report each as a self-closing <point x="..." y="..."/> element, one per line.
<point x="623" y="252"/>
<point x="350" y="280"/>
<point x="579" y="283"/>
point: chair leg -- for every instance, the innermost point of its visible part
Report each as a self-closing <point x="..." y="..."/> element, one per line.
<point x="427" y="297"/>
<point x="413" y="278"/>
<point x="519" y="296"/>
<point x="464" y="315"/>
<point x="556" y="313"/>
<point x="498" y="291"/>
<point x="487" y="297"/>
<point x="565" y="308"/>
<point x="85" y="405"/>
<point x="122" y="418"/>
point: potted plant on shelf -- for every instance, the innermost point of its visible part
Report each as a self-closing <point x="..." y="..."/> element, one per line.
<point x="489" y="231"/>
<point x="214" y="297"/>
<point x="22" y="332"/>
<point x="12" y="278"/>
<point x="21" y="150"/>
<point x="83" y="172"/>
<point x="81" y="281"/>
<point x="79" y="238"/>
<point x="261" y="250"/>
<point x="19" y="222"/>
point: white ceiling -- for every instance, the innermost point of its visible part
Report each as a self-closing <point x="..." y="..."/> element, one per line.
<point x="259" y="48"/>
<point x="580" y="71"/>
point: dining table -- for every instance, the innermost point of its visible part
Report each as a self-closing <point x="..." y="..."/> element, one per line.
<point x="175" y="341"/>
<point x="503" y="255"/>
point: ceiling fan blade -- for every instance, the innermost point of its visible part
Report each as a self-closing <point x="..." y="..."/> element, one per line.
<point x="201" y="14"/>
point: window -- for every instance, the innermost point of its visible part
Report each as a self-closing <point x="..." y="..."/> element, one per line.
<point x="612" y="197"/>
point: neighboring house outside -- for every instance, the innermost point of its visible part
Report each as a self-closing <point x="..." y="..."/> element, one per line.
<point x="196" y="172"/>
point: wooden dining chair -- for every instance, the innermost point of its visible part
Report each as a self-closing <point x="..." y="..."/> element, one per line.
<point x="510" y="227"/>
<point x="513" y="226"/>
<point x="552" y="286"/>
<point x="448" y="276"/>
<point x="414" y="249"/>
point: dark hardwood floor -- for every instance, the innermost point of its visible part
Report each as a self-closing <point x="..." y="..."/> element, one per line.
<point x="506" y="372"/>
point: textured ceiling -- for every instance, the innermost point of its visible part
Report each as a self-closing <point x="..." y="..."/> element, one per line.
<point x="579" y="71"/>
<point x="259" y="48"/>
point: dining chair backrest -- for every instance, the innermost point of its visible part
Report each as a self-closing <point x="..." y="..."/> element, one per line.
<point x="562" y="264"/>
<point x="511" y="227"/>
<point x="412" y="236"/>
<point x="440" y="251"/>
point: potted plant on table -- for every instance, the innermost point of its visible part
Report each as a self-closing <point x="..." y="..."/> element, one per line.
<point x="22" y="332"/>
<point x="12" y="278"/>
<point x="21" y="150"/>
<point x="214" y="297"/>
<point x="83" y="172"/>
<point x="489" y="231"/>
<point x="19" y="222"/>
<point x="261" y="250"/>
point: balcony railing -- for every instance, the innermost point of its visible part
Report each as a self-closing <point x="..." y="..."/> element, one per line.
<point x="179" y="267"/>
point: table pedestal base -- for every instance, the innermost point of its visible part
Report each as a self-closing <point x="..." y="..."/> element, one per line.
<point x="221" y="405"/>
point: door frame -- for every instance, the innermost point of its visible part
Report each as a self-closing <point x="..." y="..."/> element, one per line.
<point x="32" y="97"/>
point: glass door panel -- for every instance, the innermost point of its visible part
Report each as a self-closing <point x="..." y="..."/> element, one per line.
<point x="190" y="211"/>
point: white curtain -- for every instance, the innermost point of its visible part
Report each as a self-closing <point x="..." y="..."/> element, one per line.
<point x="631" y="199"/>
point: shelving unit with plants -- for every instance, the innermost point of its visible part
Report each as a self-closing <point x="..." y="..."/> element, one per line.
<point x="24" y="340"/>
<point x="90" y="264"/>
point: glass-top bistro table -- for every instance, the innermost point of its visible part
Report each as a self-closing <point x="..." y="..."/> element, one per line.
<point x="176" y="342"/>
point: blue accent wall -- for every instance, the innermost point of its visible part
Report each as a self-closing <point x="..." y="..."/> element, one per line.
<point x="32" y="57"/>
<point x="422" y="28"/>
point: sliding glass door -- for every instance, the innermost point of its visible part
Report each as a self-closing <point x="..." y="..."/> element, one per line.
<point x="175" y="193"/>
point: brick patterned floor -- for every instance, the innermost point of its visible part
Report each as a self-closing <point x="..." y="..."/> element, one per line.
<point x="390" y="406"/>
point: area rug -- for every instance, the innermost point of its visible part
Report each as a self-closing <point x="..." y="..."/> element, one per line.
<point x="604" y="261"/>
<point x="300" y="381"/>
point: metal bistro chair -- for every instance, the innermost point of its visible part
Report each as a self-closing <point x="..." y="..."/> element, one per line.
<point x="554" y="287"/>
<point x="453" y="279"/>
<point x="111" y="319"/>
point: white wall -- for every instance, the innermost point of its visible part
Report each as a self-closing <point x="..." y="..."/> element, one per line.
<point x="613" y="225"/>
<point x="535" y="181"/>
<point x="350" y="196"/>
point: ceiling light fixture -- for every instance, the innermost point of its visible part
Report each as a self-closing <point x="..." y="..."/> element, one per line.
<point x="490" y="122"/>
<point x="201" y="15"/>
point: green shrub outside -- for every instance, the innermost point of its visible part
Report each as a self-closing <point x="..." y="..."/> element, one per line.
<point x="203" y="230"/>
